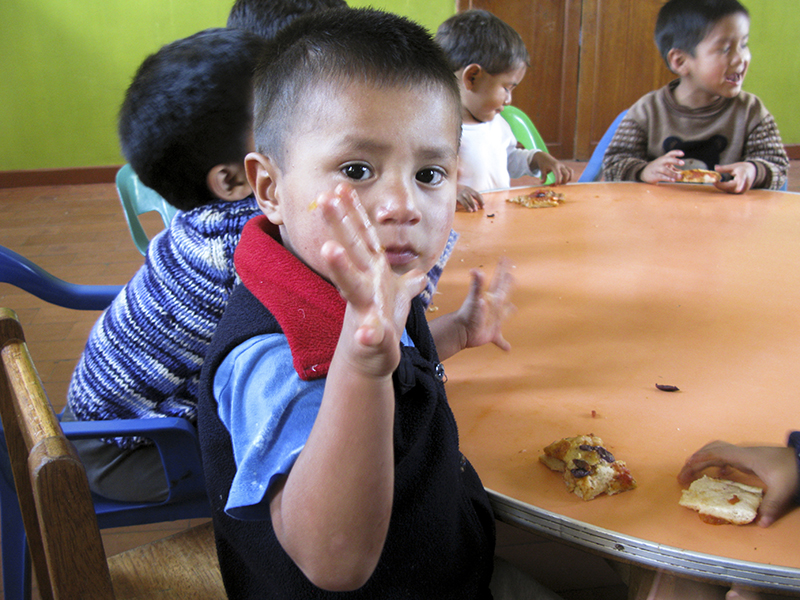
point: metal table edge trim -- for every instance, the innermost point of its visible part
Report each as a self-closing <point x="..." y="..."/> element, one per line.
<point x="649" y="554"/>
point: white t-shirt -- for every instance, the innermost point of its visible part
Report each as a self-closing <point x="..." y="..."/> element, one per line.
<point x="489" y="156"/>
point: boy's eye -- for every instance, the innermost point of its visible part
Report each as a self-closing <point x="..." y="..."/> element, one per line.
<point x="430" y="176"/>
<point x="357" y="171"/>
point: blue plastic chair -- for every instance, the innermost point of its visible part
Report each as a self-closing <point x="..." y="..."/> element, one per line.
<point x="175" y="438"/>
<point x="137" y="199"/>
<point x="525" y="132"/>
<point x="594" y="168"/>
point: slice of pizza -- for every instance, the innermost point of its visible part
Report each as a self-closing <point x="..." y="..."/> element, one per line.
<point x="588" y="468"/>
<point x="540" y="198"/>
<point x="699" y="176"/>
<point x="721" y="501"/>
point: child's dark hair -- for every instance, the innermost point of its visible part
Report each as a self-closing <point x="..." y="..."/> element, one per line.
<point x="188" y="109"/>
<point x="331" y="49"/>
<point x="682" y="24"/>
<point x="478" y="37"/>
<point x="267" y="17"/>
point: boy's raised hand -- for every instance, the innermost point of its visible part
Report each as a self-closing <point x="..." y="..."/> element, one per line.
<point x="378" y="299"/>
<point x="480" y="318"/>
<point x="485" y="310"/>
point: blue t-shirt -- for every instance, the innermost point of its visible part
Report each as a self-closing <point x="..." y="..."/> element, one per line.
<point x="269" y="412"/>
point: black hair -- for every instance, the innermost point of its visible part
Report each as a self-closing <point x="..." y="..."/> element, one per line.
<point x="479" y="37"/>
<point x="267" y="17"/>
<point x="188" y="109"/>
<point x="683" y="24"/>
<point x="334" y="48"/>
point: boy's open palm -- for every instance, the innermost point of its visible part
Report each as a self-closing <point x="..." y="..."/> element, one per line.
<point x="378" y="299"/>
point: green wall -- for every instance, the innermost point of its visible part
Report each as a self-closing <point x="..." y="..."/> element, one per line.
<point x="66" y="64"/>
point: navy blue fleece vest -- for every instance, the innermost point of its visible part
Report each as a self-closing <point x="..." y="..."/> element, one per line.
<point x="440" y="543"/>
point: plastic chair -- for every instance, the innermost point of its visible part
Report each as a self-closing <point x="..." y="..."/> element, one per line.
<point x="57" y="509"/>
<point x="594" y="168"/>
<point x="525" y="132"/>
<point x="21" y="272"/>
<point x="138" y="199"/>
<point x="175" y="438"/>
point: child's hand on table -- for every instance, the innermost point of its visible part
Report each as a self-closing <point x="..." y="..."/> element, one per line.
<point x="743" y="173"/>
<point x="664" y="168"/>
<point x="776" y="466"/>
<point x="548" y="164"/>
<point x="378" y="299"/>
<point x="469" y="199"/>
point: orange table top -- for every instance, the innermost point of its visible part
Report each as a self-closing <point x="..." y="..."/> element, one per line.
<point x="624" y="286"/>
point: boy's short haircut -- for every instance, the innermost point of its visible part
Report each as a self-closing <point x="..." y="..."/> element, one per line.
<point x="267" y="17"/>
<point x="188" y="109"/>
<point x="330" y="50"/>
<point x="683" y="24"/>
<point x="479" y="37"/>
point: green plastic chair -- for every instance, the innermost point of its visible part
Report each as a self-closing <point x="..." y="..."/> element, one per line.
<point x="138" y="199"/>
<point x="525" y="132"/>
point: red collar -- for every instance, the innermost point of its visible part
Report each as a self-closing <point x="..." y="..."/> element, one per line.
<point x="308" y="308"/>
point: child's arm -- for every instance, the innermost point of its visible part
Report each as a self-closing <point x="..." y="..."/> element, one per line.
<point x="777" y="467"/>
<point x="546" y="163"/>
<point x="765" y="163"/>
<point x="331" y="513"/>
<point x="626" y="155"/>
<point x="469" y="199"/>
<point x="481" y="316"/>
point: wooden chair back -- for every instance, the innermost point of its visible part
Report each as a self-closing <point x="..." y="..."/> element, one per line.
<point x="57" y="510"/>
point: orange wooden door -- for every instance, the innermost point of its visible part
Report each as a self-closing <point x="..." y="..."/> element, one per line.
<point x="548" y="92"/>
<point x="619" y="63"/>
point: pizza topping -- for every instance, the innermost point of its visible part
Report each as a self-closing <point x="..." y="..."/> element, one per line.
<point x="602" y="452"/>
<point x="540" y="198"/>
<point x="667" y="388"/>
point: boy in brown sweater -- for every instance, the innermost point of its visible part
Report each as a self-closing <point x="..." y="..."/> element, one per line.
<point x="703" y="119"/>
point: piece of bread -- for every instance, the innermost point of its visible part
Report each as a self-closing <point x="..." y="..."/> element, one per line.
<point x="720" y="501"/>
<point x="588" y="468"/>
<point x="699" y="176"/>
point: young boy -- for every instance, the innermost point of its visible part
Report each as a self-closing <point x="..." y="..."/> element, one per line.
<point x="330" y="452"/>
<point x="703" y="119"/>
<point x="185" y="127"/>
<point x="490" y="59"/>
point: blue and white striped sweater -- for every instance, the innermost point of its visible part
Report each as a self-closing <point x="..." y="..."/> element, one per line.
<point x="144" y="354"/>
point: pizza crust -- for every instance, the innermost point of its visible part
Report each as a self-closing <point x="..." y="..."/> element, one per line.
<point x="588" y="468"/>
<point x="699" y="176"/>
<point x="721" y="501"/>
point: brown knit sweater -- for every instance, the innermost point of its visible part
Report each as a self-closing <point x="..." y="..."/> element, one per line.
<point x="729" y="130"/>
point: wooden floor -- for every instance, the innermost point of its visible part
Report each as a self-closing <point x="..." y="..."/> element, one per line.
<point x="79" y="234"/>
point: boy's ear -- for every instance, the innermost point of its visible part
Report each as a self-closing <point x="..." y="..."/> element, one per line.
<point x="261" y="173"/>
<point x="470" y="75"/>
<point x="677" y="60"/>
<point x="228" y="182"/>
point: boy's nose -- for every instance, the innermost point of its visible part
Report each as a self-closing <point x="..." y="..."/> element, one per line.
<point x="397" y="205"/>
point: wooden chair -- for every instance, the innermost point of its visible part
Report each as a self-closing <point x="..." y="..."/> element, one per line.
<point x="57" y="509"/>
